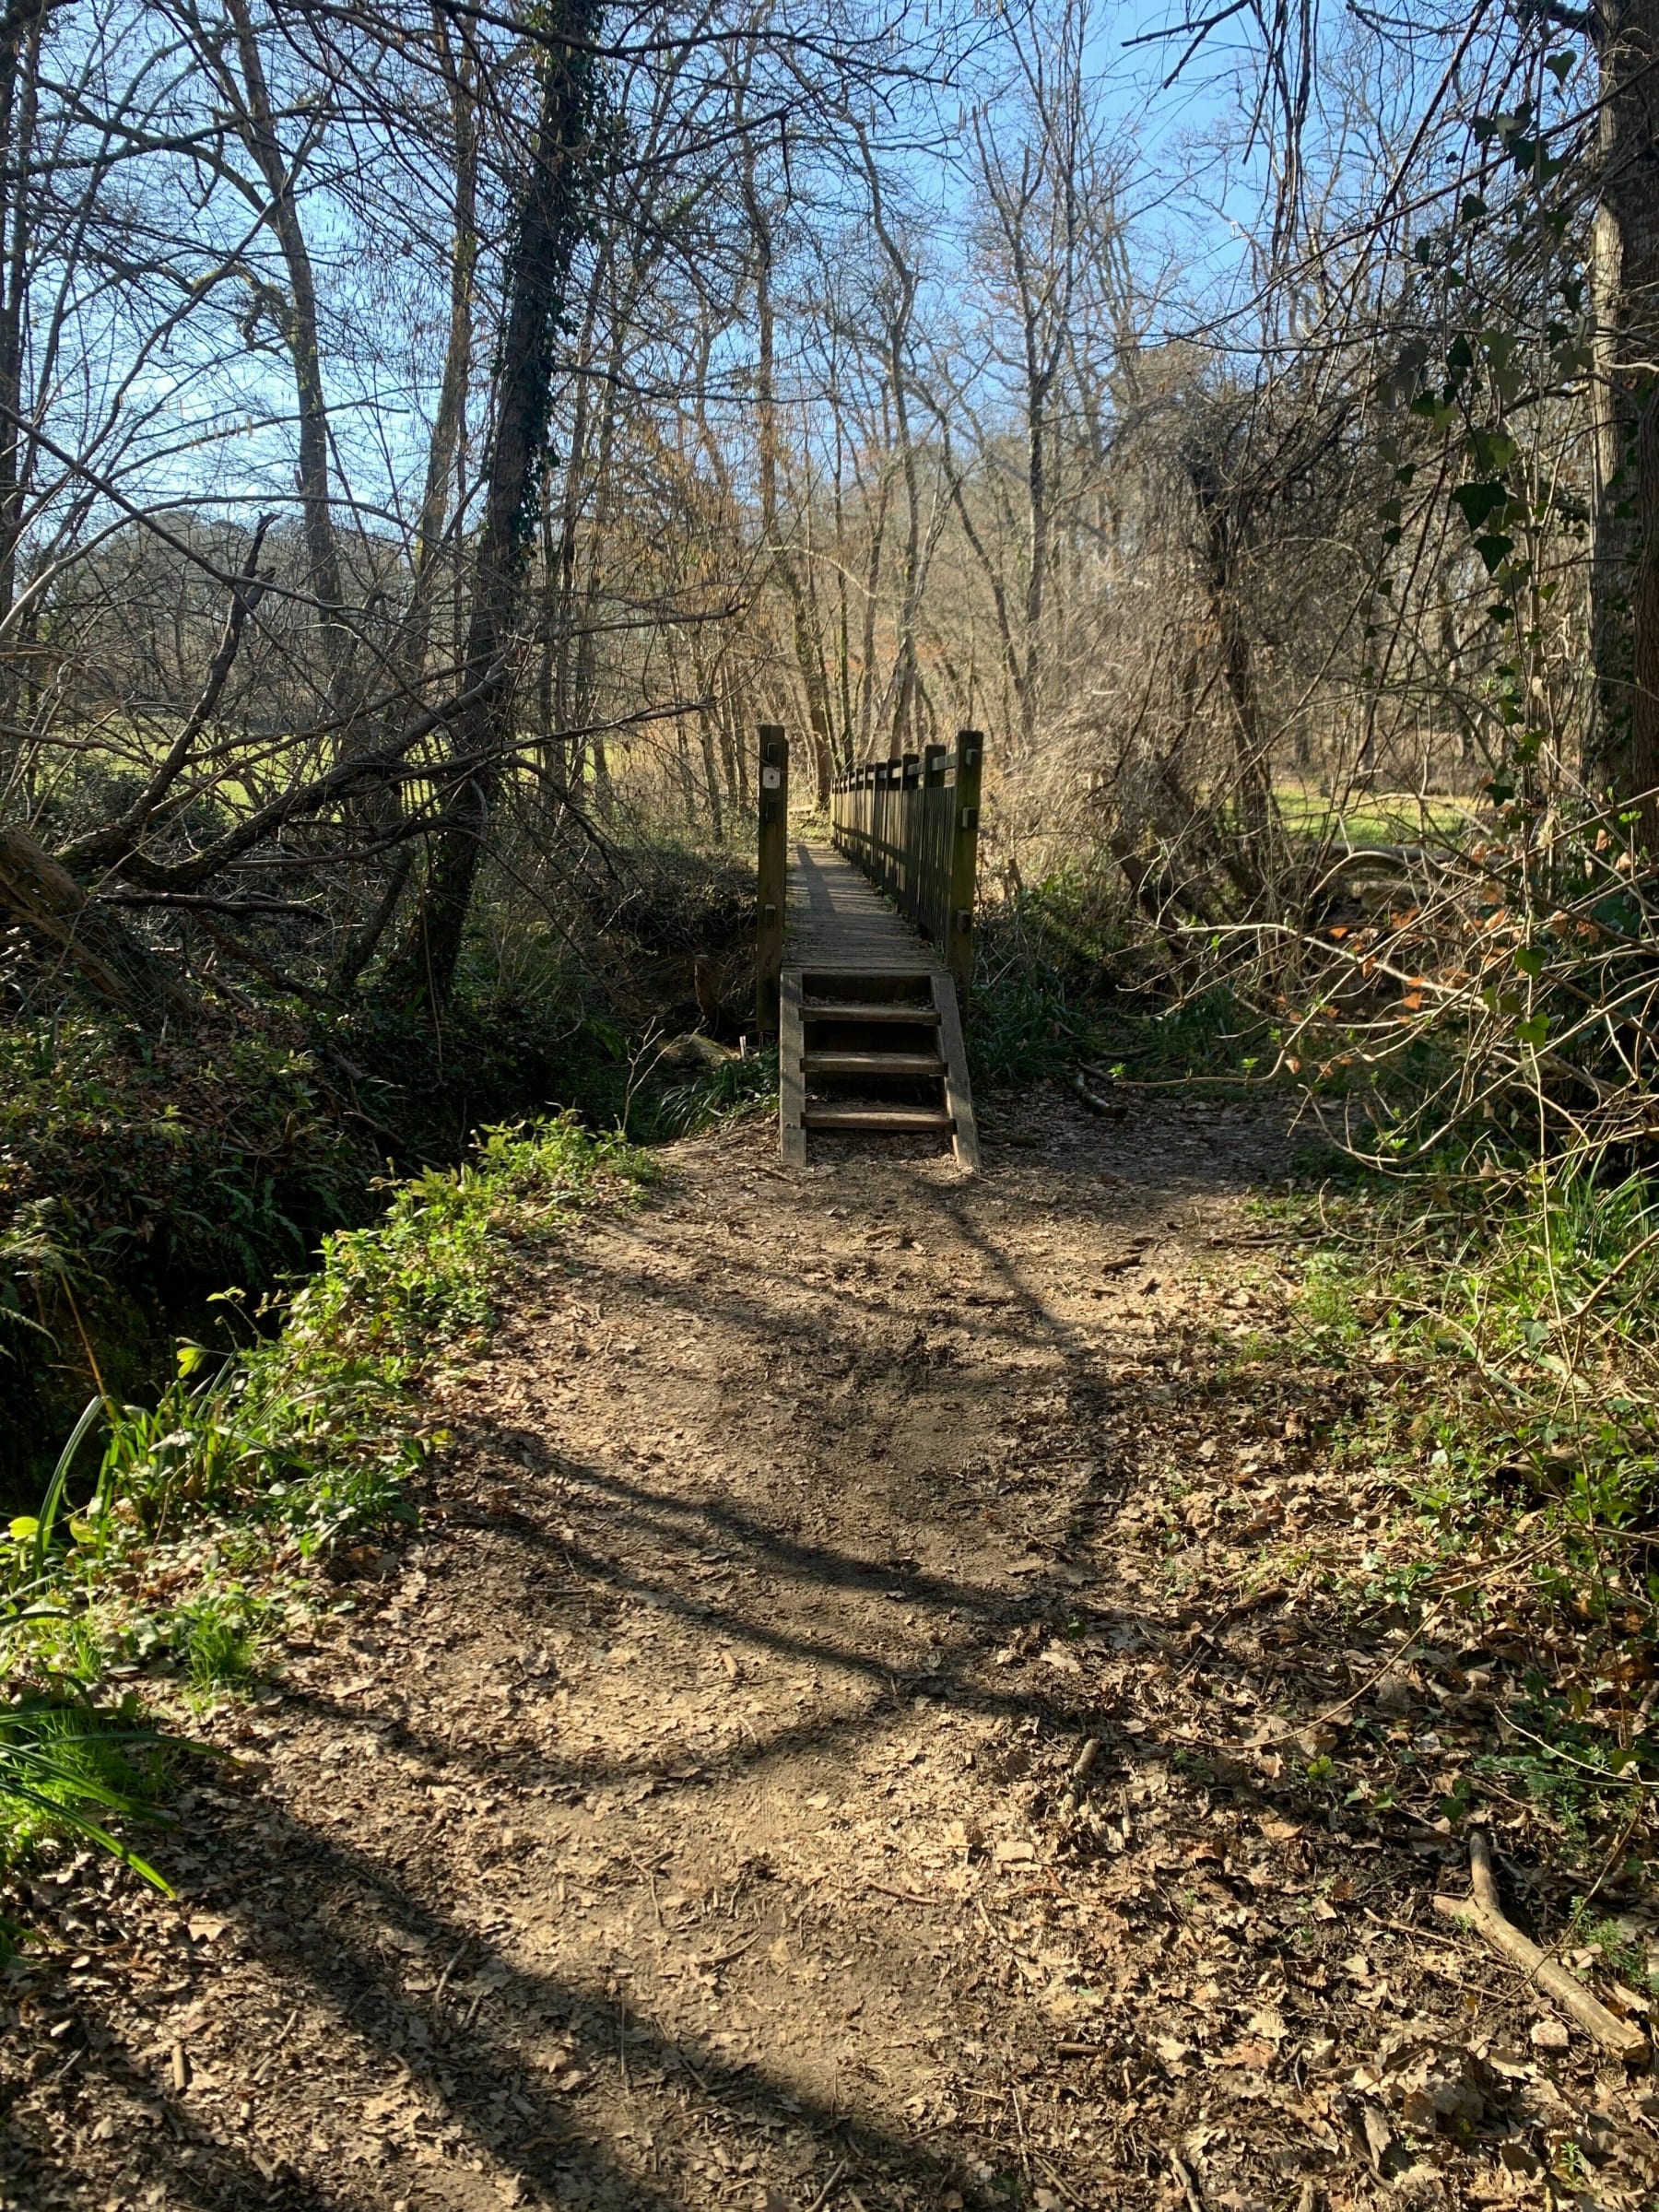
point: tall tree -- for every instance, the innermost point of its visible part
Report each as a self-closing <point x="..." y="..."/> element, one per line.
<point x="1625" y="260"/>
<point x="551" y="218"/>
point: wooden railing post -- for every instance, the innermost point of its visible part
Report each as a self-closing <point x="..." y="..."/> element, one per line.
<point x="964" y="858"/>
<point x="910" y="787"/>
<point x="932" y="845"/>
<point x="772" y="873"/>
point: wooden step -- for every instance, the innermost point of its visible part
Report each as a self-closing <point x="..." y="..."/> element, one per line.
<point x="925" y="1018"/>
<point x="879" y="1120"/>
<point x="881" y="982"/>
<point x="872" y="1064"/>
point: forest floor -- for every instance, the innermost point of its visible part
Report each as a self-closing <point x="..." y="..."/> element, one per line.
<point x="686" y="1817"/>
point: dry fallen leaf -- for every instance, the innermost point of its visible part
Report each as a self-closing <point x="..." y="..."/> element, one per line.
<point x="1250" y="2051"/>
<point x="1379" y="2136"/>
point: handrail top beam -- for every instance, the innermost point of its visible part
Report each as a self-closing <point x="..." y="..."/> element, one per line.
<point x="935" y="758"/>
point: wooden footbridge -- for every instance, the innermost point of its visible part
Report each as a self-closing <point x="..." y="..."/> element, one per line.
<point x="866" y="948"/>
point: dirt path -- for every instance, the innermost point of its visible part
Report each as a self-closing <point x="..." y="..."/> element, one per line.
<point x="684" y="1820"/>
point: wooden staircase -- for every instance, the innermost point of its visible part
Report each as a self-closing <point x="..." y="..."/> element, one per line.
<point x="874" y="1053"/>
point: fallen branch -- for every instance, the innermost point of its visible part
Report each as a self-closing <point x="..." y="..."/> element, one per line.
<point x="1086" y="1762"/>
<point x="1483" y="1911"/>
<point x="1097" y="1105"/>
<point x="117" y="966"/>
<point x="1238" y="1082"/>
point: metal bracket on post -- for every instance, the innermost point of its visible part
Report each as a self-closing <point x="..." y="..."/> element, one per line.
<point x="964" y="858"/>
<point x="772" y="874"/>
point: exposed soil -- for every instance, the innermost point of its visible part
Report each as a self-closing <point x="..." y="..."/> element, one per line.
<point x="690" y="1816"/>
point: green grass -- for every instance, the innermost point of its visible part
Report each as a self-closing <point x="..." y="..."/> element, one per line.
<point x="217" y="1639"/>
<point x="71" y="1768"/>
<point x="709" y="1100"/>
<point x="1373" y="817"/>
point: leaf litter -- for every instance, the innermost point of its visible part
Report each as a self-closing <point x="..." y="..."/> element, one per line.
<point x="877" y="1713"/>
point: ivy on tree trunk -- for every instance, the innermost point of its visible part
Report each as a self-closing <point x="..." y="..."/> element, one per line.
<point x="1626" y="273"/>
<point x="553" y="215"/>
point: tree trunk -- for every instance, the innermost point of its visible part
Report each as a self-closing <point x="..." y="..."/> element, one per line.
<point x="1625" y="265"/>
<point x="560" y="583"/>
<point x="1221" y="534"/>
<point x="550" y="220"/>
<point x="578" y="703"/>
<point x="20" y="58"/>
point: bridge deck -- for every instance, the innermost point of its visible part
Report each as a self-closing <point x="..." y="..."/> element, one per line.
<point x="837" y="922"/>
<point x="864" y="1001"/>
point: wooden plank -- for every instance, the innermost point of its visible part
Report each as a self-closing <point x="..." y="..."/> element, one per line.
<point x="886" y="1120"/>
<point x="833" y="1063"/>
<point x="839" y="921"/>
<point x="869" y="1010"/>
<point x="883" y="988"/>
<point x="792" y="1082"/>
<point x="959" y="1097"/>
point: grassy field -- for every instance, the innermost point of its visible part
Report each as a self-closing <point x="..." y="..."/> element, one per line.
<point x="1372" y="818"/>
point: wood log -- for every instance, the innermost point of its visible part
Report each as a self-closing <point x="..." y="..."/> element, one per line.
<point x="40" y="893"/>
<point x="1483" y="1911"/>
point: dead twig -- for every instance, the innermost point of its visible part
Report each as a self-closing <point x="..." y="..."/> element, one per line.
<point x="822" y="2198"/>
<point x="1483" y="1911"/>
<point x="443" y="1979"/>
<point x="1066" y="2191"/>
<point x="1189" y="2187"/>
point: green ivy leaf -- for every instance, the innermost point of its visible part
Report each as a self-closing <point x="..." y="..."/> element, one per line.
<point x="1494" y="451"/>
<point x="1533" y="1032"/>
<point x="1494" y="549"/>
<point x="1479" y="502"/>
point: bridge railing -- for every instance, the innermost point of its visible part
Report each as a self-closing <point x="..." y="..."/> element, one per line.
<point x="911" y="824"/>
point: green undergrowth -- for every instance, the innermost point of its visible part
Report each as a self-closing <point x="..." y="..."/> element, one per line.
<point x="1371" y="817"/>
<point x="1496" y="1340"/>
<point x="1043" y="976"/>
<point x="706" y="1099"/>
<point x="176" y="1536"/>
<point x="1062" y="984"/>
<point x="138" y="1177"/>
